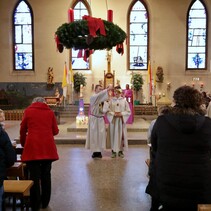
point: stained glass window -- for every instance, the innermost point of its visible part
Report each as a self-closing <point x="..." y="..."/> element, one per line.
<point x="196" y="36"/>
<point x="23" y="37"/>
<point x="78" y="60"/>
<point x="138" y="37"/>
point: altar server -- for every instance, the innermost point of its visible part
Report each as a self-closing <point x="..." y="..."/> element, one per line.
<point x="118" y="112"/>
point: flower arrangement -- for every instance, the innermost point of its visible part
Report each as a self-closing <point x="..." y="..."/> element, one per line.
<point x="76" y="35"/>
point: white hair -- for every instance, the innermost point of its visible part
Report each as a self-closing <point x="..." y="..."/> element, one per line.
<point x="38" y="99"/>
<point x="2" y="116"/>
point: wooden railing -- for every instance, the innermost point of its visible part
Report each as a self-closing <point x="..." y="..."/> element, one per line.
<point x="145" y="110"/>
<point x="138" y="109"/>
<point x="13" y="114"/>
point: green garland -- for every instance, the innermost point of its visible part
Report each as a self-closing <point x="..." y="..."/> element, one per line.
<point x="76" y="35"/>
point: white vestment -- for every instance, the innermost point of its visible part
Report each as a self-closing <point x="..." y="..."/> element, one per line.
<point x="209" y="110"/>
<point x="96" y="132"/>
<point x="117" y="131"/>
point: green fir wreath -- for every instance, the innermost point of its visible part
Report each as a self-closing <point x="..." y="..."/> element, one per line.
<point x="76" y="35"/>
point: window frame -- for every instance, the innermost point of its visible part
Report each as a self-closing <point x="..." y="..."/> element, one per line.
<point x="206" y="42"/>
<point x="13" y="37"/>
<point x="128" y="32"/>
<point x="86" y="4"/>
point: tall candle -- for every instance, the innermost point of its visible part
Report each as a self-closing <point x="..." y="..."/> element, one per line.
<point x="110" y="15"/>
<point x="70" y="15"/>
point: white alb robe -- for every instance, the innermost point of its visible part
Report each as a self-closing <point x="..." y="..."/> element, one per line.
<point x="96" y="132"/>
<point x="209" y="110"/>
<point x="117" y="131"/>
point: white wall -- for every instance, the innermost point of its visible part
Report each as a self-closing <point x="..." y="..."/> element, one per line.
<point x="167" y="43"/>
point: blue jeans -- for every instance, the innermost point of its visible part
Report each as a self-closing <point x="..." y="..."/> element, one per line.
<point x="1" y="195"/>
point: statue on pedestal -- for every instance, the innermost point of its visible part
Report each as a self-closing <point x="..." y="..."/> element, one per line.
<point x="81" y="91"/>
<point x="159" y="74"/>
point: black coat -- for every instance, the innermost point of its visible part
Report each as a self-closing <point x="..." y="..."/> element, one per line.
<point x="7" y="154"/>
<point x="182" y="147"/>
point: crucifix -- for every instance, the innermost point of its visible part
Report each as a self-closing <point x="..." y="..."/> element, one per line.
<point x="108" y="77"/>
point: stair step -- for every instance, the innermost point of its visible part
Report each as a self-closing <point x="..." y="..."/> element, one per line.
<point x="72" y="110"/>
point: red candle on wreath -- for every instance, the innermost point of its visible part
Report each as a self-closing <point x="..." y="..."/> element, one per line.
<point x="70" y="15"/>
<point x="110" y="15"/>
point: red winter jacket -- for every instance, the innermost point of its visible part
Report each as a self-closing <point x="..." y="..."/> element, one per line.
<point x="37" y="131"/>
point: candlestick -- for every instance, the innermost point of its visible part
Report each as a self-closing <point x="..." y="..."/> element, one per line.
<point x="110" y="15"/>
<point x="81" y="90"/>
<point x="70" y="15"/>
<point x="168" y="86"/>
<point x="159" y="95"/>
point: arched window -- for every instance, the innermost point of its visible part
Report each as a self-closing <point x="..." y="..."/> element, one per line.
<point x="196" y="56"/>
<point x="81" y="8"/>
<point x="138" y="32"/>
<point x="23" y="37"/>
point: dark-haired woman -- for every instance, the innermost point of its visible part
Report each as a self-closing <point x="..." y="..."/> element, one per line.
<point x="181" y="142"/>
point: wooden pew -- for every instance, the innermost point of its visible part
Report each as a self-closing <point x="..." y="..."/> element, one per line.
<point x="18" y="149"/>
<point x="16" y="171"/>
<point x="147" y="161"/>
<point x="18" y="189"/>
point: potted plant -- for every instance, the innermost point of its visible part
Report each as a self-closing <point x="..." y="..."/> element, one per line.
<point x="137" y="83"/>
<point x="78" y="79"/>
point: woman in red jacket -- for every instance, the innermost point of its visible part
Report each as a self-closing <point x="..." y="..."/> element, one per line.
<point x="37" y="131"/>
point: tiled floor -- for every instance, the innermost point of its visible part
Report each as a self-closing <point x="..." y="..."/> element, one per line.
<point x="83" y="184"/>
<point x="80" y="183"/>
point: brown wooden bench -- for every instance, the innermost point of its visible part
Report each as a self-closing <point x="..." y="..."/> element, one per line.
<point x="147" y="161"/>
<point x="16" y="171"/>
<point x="13" y="114"/>
<point x="18" y="189"/>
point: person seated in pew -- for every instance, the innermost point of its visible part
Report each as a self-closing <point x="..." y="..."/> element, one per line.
<point x="7" y="155"/>
<point x="181" y="143"/>
<point x="161" y="110"/>
<point x="151" y="187"/>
